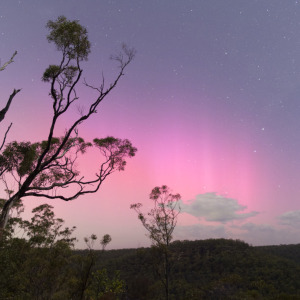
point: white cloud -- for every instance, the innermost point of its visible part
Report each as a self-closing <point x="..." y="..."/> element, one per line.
<point x="291" y="218"/>
<point x="215" y="208"/>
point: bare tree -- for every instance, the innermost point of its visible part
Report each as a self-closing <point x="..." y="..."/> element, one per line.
<point x="48" y="168"/>
<point x="160" y="223"/>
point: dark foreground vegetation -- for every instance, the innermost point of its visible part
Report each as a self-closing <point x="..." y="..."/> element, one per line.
<point x="42" y="264"/>
<point x="211" y="269"/>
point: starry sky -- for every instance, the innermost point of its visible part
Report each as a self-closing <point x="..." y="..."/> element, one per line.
<point x="211" y="101"/>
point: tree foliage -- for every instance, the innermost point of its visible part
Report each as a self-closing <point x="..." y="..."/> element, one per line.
<point x="20" y="159"/>
<point x="70" y="38"/>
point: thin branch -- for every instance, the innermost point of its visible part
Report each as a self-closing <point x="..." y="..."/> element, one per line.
<point x="5" y="136"/>
<point x="8" y="62"/>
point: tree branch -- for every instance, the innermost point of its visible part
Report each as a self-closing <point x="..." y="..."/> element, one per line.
<point x="8" y="62"/>
<point x="5" y="109"/>
<point x="5" y="135"/>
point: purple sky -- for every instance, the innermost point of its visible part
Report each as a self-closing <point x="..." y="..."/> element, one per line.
<point x="211" y="102"/>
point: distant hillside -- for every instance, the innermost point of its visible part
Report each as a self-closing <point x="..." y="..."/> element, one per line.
<point x="291" y="252"/>
<point x="211" y="269"/>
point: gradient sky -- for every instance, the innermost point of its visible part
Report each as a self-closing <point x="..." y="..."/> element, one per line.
<point x="211" y="102"/>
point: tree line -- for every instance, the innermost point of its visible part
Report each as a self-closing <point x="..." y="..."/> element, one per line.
<point x="39" y="261"/>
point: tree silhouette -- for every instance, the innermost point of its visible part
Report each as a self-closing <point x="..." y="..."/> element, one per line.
<point x="160" y="223"/>
<point x="48" y="168"/>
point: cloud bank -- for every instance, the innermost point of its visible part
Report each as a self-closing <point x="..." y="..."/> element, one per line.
<point x="211" y="207"/>
<point x="254" y="234"/>
<point x="290" y="218"/>
<point x="215" y="208"/>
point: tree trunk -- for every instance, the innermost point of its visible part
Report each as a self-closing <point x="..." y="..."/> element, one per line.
<point x="167" y="271"/>
<point x="4" y="217"/>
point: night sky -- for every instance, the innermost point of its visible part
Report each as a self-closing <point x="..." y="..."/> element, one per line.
<point x="211" y="101"/>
